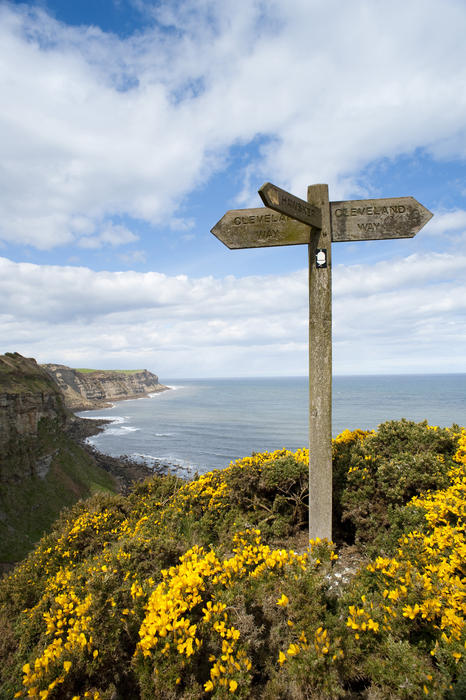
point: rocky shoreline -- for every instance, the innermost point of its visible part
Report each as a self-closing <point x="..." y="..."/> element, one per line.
<point x="127" y="471"/>
<point x="108" y="403"/>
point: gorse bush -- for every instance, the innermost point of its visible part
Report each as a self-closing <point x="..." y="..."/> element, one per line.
<point x="209" y="588"/>
<point x="379" y="473"/>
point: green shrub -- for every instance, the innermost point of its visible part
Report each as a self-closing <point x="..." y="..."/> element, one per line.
<point x="378" y="474"/>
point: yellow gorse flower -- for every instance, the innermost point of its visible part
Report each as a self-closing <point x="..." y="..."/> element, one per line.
<point x="426" y="580"/>
<point x="184" y="587"/>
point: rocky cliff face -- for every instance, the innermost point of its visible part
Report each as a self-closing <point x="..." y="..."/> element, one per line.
<point x="30" y="403"/>
<point x="42" y="469"/>
<point x="88" y="390"/>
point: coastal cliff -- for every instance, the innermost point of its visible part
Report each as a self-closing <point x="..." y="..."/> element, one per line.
<point x="30" y="404"/>
<point x="42" y="469"/>
<point x="84" y="390"/>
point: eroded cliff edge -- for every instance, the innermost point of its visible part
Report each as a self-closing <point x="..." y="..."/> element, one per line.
<point x="30" y="404"/>
<point x="42" y="469"/>
<point x="97" y="389"/>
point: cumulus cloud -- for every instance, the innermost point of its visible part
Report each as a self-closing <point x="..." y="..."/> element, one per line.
<point x="96" y="126"/>
<point x="56" y="294"/>
<point x="176" y="325"/>
<point x="422" y="270"/>
<point x="447" y="222"/>
<point x="112" y="234"/>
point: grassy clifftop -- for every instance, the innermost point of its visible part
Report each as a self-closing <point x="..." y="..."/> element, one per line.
<point x="110" y="371"/>
<point x="210" y="589"/>
<point x="20" y="374"/>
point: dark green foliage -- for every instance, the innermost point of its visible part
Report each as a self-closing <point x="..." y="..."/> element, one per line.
<point x="377" y="476"/>
<point x="273" y="495"/>
<point x="30" y="506"/>
<point x="458" y="691"/>
<point x="395" y="437"/>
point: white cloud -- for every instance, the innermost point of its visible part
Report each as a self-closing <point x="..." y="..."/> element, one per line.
<point x="421" y="270"/>
<point x="93" y="126"/>
<point x="447" y="222"/>
<point x="181" y="224"/>
<point x="133" y="257"/>
<point x="55" y="293"/>
<point x="401" y="314"/>
<point x="112" y="234"/>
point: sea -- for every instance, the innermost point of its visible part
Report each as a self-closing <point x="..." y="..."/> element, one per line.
<point x="204" y="424"/>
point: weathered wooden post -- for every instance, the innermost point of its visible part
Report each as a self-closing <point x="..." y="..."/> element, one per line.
<point x="288" y="220"/>
<point x="320" y="370"/>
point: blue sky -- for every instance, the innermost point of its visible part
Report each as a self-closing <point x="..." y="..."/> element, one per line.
<point x="128" y="128"/>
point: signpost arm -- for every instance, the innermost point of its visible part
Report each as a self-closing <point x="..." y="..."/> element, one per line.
<point x="320" y="370"/>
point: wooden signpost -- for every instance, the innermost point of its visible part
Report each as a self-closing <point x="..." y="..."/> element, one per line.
<point x="288" y="220"/>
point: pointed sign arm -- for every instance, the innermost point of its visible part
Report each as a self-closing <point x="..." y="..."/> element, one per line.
<point x="259" y="228"/>
<point x="294" y="207"/>
<point x="377" y="219"/>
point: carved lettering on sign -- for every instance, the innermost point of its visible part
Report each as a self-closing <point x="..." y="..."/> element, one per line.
<point x="291" y="203"/>
<point x="269" y="233"/>
<point x="285" y="203"/>
<point x="376" y="219"/>
<point x="258" y="219"/>
<point x="371" y="211"/>
<point x="370" y="227"/>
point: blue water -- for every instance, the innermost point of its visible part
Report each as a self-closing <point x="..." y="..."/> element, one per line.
<point x="204" y="424"/>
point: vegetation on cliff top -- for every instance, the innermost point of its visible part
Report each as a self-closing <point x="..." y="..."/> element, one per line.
<point x="20" y="374"/>
<point x="209" y="589"/>
<point x="110" y="371"/>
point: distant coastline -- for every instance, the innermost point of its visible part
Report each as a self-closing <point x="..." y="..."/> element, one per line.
<point x="86" y="389"/>
<point x="206" y="423"/>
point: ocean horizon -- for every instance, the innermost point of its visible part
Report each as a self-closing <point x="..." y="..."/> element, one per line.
<point x="202" y="424"/>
